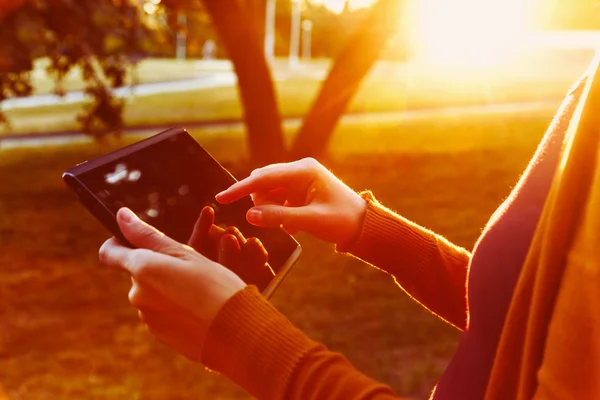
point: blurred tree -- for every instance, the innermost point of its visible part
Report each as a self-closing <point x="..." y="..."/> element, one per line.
<point x="258" y="15"/>
<point x="330" y="30"/>
<point x="238" y="32"/>
<point x="244" y="46"/>
<point x="348" y="70"/>
<point x="199" y="27"/>
<point x="101" y="38"/>
<point x="105" y="37"/>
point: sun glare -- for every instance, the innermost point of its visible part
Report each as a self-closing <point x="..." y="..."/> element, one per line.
<point x="337" y="6"/>
<point x="460" y="32"/>
<point x="470" y="31"/>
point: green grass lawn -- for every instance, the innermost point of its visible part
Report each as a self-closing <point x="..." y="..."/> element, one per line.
<point x="147" y="71"/>
<point x="153" y="70"/>
<point x="387" y="89"/>
<point x="68" y="332"/>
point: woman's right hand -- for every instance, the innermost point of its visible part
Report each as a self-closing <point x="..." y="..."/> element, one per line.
<point x="248" y="258"/>
<point x="301" y="196"/>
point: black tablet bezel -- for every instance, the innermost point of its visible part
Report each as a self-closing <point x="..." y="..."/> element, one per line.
<point x="108" y="219"/>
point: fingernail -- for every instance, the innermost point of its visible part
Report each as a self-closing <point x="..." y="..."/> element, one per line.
<point x="127" y="216"/>
<point x="254" y="216"/>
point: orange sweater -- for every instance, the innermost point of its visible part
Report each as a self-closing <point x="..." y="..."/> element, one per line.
<point x="259" y="349"/>
<point x="550" y="345"/>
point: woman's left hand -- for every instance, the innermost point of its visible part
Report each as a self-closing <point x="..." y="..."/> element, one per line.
<point x="177" y="291"/>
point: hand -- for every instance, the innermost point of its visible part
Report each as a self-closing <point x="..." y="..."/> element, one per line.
<point x="245" y="257"/>
<point x="206" y="237"/>
<point x="177" y="291"/>
<point x="301" y="196"/>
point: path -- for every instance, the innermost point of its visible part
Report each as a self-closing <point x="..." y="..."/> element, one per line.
<point x="60" y="138"/>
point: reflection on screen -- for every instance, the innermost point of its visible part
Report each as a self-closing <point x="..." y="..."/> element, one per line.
<point x="167" y="185"/>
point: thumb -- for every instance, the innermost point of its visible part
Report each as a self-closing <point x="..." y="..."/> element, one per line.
<point x="274" y="216"/>
<point x="142" y="235"/>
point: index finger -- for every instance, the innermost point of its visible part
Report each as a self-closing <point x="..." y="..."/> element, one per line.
<point x="268" y="178"/>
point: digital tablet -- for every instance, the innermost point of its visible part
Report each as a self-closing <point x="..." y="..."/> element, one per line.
<point x="167" y="180"/>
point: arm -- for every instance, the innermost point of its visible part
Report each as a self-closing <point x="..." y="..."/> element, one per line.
<point x="428" y="267"/>
<point x="304" y="196"/>
<point x="207" y="313"/>
<point x="255" y="346"/>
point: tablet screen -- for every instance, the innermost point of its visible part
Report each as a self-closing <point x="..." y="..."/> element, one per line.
<point x="168" y="183"/>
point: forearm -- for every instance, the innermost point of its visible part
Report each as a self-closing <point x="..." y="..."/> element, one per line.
<point x="255" y="346"/>
<point x="427" y="266"/>
<point x="324" y="374"/>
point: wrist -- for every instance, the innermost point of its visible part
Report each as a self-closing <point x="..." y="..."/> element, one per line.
<point x="227" y="286"/>
<point x="357" y="219"/>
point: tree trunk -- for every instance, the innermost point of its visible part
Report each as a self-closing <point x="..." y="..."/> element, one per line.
<point x="349" y="69"/>
<point x="258" y="13"/>
<point x="257" y="92"/>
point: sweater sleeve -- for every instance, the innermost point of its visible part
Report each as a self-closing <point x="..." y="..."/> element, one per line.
<point x="428" y="267"/>
<point x="256" y="347"/>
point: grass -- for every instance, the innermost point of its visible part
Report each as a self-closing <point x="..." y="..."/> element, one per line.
<point x="388" y="88"/>
<point x="147" y="71"/>
<point x="68" y="332"/>
<point x="152" y="70"/>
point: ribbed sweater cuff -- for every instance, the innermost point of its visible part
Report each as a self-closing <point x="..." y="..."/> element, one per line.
<point x="254" y="345"/>
<point x="385" y="233"/>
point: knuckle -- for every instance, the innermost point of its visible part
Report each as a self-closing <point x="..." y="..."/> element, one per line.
<point x="227" y="239"/>
<point x="310" y="163"/>
<point x="276" y="216"/>
<point x="137" y="262"/>
<point x="255" y="244"/>
<point x="104" y="253"/>
<point x="133" y="260"/>
<point x="186" y="250"/>
<point x="256" y="247"/>
<point x="260" y="173"/>
<point x="235" y="232"/>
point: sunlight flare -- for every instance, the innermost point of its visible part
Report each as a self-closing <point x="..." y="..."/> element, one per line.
<point x="337" y="6"/>
<point x="470" y="31"/>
